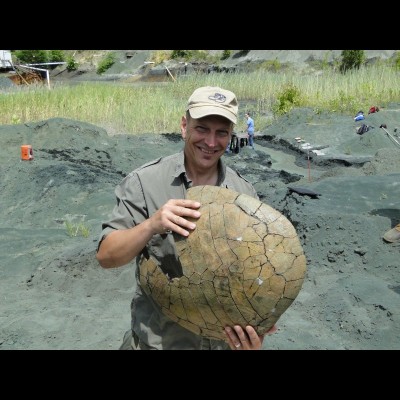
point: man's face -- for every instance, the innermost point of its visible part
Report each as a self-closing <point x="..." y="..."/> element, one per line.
<point x="206" y="138"/>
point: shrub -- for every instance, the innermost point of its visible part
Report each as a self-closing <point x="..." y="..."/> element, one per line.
<point x="397" y="60"/>
<point x="270" y="65"/>
<point x="198" y="55"/>
<point x="56" y="56"/>
<point x="31" y="56"/>
<point x="225" y="54"/>
<point x="288" y="98"/>
<point x="352" y="59"/>
<point x="106" y="63"/>
<point x="38" y="56"/>
<point x="160" y="56"/>
<point x="72" y="65"/>
<point x="180" y="54"/>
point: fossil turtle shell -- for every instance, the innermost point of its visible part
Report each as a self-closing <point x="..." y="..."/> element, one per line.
<point x="243" y="264"/>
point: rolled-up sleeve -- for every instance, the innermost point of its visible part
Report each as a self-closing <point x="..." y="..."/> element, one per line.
<point x="130" y="208"/>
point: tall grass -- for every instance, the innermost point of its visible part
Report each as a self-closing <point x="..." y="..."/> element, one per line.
<point x="134" y="108"/>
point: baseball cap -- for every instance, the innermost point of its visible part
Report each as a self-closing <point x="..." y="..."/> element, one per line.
<point x="212" y="100"/>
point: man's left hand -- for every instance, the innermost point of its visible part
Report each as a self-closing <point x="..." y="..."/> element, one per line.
<point x="245" y="339"/>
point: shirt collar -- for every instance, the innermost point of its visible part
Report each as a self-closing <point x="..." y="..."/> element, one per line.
<point x="179" y="168"/>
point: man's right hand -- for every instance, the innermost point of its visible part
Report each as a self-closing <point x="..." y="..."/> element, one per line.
<point x="174" y="216"/>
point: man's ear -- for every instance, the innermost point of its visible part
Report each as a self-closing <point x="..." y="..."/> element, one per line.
<point x="183" y="127"/>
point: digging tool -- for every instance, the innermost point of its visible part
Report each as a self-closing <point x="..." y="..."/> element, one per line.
<point x="390" y="136"/>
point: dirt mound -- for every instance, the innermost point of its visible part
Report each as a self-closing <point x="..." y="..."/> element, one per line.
<point x="59" y="298"/>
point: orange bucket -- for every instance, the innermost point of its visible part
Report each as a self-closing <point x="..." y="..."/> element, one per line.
<point x="26" y="152"/>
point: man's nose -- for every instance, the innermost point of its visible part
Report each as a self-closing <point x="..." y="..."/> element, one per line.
<point x="211" y="139"/>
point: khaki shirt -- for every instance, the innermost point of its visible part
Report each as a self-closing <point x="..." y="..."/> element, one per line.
<point x="139" y="195"/>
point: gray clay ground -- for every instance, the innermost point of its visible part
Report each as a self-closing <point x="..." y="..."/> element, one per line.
<point x="54" y="295"/>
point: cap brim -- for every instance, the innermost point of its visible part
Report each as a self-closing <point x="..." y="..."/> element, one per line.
<point x="204" y="111"/>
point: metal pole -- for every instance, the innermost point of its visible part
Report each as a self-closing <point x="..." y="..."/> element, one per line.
<point x="170" y="74"/>
<point x="48" y="79"/>
<point x="391" y="137"/>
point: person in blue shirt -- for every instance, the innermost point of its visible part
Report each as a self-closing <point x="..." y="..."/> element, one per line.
<point x="250" y="129"/>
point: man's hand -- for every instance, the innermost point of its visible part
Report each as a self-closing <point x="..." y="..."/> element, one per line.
<point x="172" y="216"/>
<point x="245" y="339"/>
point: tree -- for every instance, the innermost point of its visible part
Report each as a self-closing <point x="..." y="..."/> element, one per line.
<point x="31" y="56"/>
<point x="352" y="59"/>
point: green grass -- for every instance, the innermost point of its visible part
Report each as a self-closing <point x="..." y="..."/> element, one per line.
<point x="133" y="108"/>
<point x="77" y="229"/>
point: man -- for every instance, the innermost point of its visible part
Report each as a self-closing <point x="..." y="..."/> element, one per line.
<point x="151" y="205"/>
<point x="250" y="129"/>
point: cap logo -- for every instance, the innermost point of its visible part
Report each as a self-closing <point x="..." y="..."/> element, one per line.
<point x="218" y="97"/>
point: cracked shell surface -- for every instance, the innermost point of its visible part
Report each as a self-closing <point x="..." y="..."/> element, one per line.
<point x="243" y="264"/>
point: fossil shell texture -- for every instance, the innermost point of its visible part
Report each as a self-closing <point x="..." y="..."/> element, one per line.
<point x="243" y="264"/>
